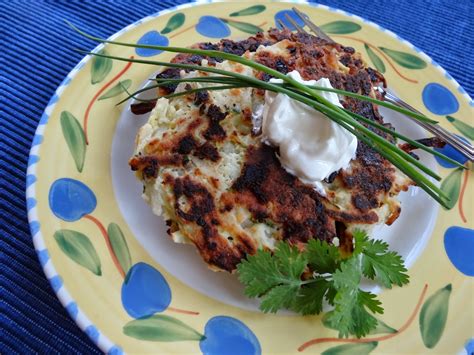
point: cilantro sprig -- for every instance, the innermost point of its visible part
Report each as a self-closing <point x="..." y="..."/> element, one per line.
<point x="281" y="280"/>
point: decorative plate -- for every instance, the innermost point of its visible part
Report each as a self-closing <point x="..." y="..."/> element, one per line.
<point x="131" y="289"/>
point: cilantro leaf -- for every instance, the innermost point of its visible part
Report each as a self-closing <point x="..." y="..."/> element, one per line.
<point x="282" y="280"/>
<point x="276" y="278"/>
<point x="291" y="261"/>
<point x="322" y="256"/>
<point x="348" y="275"/>
<point x="259" y="273"/>
<point x="350" y="314"/>
<point x="279" y="297"/>
<point x="378" y="263"/>
<point x="309" y="299"/>
<point x="331" y="294"/>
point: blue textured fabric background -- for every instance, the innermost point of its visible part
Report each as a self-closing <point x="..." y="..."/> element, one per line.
<point x="36" y="55"/>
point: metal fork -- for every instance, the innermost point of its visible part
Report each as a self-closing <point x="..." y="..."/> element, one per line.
<point x="463" y="147"/>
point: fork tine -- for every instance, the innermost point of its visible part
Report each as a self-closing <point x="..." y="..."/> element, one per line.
<point x="315" y="29"/>
<point x="282" y="24"/>
<point x="293" y="22"/>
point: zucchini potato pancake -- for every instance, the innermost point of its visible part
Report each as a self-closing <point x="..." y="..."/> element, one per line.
<point x="219" y="187"/>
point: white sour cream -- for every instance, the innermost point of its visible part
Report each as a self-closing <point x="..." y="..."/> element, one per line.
<point x="312" y="146"/>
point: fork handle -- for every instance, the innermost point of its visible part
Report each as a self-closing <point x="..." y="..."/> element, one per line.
<point x="463" y="147"/>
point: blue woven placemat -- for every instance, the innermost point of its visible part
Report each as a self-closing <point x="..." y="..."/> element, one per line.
<point x="36" y="55"/>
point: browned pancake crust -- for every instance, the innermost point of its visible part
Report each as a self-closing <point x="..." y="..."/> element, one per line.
<point x="264" y="188"/>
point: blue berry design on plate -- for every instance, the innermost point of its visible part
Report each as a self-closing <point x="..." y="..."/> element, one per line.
<point x="211" y="26"/>
<point x="151" y="38"/>
<point x="452" y="153"/>
<point x="469" y="346"/>
<point x="439" y="100"/>
<point x="145" y="291"/>
<point x="227" y="335"/>
<point x="459" y="246"/>
<point x="71" y="199"/>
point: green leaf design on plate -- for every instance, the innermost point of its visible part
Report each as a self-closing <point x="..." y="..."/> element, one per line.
<point x="351" y="349"/>
<point x="404" y="59"/>
<point x="120" y="87"/>
<point x="252" y="10"/>
<point x="341" y="27"/>
<point x="79" y="248"/>
<point x="160" y="327"/>
<point x="451" y="185"/>
<point x="465" y="129"/>
<point x="175" y="22"/>
<point x="75" y="138"/>
<point x="378" y="63"/>
<point x="243" y="26"/>
<point x="119" y="246"/>
<point x="382" y="327"/>
<point x="433" y="316"/>
<point x="100" y="68"/>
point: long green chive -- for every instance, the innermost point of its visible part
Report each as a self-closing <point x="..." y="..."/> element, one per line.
<point x="307" y="95"/>
<point x="389" y="105"/>
<point x="166" y="82"/>
<point x="325" y="107"/>
<point x="222" y="79"/>
<point x="199" y="79"/>
<point x="405" y="138"/>
<point x="255" y="65"/>
<point x="221" y="87"/>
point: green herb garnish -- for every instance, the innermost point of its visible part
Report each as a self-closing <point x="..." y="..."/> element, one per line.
<point x="279" y="280"/>
<point x="310" y="96"/>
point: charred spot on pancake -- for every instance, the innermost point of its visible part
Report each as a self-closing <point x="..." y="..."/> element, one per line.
<point x="186" y="145"/>
<point x="141" y="108"/>
<point x="281" y="66"/>
<point x="373" y="178"/>
<point x="364" y="202"/>
<point x="148" y="165"/>
<point x="170" y="73"/>
<point x="200" y="200"/>
<point x="271" y="60"/>
<point x="201" y="97"/>
<point x="232" y="47"/>
<point x="214" y="131"/>
<point x="215" y="113"/>
<point x="151" y="168"/>
<point x="209" y="46"/>
<point x="282" y="198"/>
<point x="349" y="50"/>
<point x="345" y="60"/>
<point x="207" y="151"/>
<point x="255" y="173"/>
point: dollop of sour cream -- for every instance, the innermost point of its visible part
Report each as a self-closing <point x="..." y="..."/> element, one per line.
<point x="311" y="146"/>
